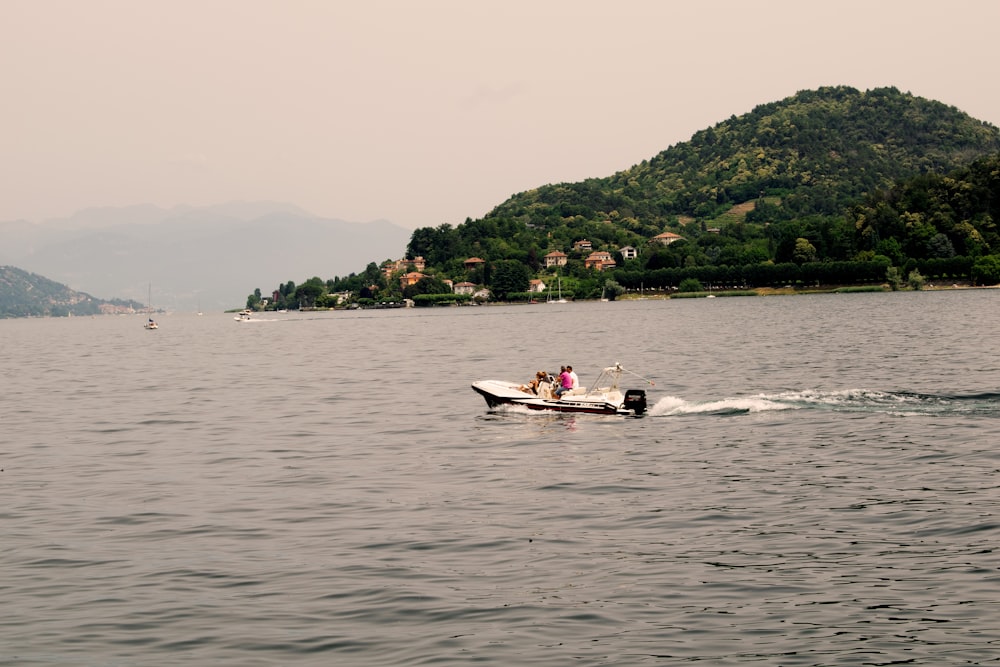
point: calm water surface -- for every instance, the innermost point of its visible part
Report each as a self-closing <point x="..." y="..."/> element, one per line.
<point x="816" y="484"/>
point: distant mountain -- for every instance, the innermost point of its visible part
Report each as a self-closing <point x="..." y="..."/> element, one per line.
<point x="208" y="257"/>
<point x="24" y="294"/>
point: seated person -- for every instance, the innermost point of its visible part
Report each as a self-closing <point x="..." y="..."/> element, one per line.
<point x="565" y="383"/>
<point x="534" y="386"/>
<point x="545" y="382"/>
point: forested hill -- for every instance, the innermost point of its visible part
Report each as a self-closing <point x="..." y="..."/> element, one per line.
<point x="810" y="156"/>
<point x="24" y="294"/>
<point x="773" y="196"/>
<point x="819" y="151"/>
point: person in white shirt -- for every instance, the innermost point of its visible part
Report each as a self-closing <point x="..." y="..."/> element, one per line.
<point x="572" y="375"/>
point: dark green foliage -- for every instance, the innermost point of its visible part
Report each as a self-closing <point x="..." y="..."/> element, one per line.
<point x="986" y="270"/>
<point x="691" y="285"/>
<point x="307" y="293"/>
<point x="819" y="151"/>
<point x="426" y="285"/>
<point x="936" y="215"/>
<point x="509" y="276"/>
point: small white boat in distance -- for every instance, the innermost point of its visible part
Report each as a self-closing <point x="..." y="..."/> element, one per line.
<point x="150" y="323"/>
<point x="604" y="397"/>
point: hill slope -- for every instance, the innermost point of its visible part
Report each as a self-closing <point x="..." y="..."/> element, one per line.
<point x="816" y="153"/>
<point x="24" y="294"/>
<point x="819" y="150"/>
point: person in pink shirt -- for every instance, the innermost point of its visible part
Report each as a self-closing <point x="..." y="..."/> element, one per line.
<point x="565" y="382"/>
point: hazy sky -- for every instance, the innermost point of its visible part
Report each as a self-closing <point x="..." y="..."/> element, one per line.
<point x="425" y="111"/>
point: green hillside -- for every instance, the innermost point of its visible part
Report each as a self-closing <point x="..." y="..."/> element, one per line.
<point x="792" y="191"/>
<point x="24" y="294"/>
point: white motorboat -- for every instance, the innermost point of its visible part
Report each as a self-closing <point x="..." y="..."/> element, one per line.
<point x="604" y="397"/>
<point x="243" y="316"/>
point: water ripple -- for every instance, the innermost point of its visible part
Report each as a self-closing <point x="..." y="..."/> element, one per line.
<point x="804" y="498"/>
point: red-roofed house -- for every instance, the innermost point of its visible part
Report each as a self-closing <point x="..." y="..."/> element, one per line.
<point x="411" y="278"/>
<point x="555" y="258"/>
<point x="600" y="260"/>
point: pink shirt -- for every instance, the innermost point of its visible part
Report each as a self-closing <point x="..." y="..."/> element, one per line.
<point x="565" y="380"/>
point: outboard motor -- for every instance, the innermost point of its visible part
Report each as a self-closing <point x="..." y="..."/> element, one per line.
<point x="635" y="400"/>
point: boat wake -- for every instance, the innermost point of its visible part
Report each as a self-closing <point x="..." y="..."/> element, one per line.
<point x="850" y="400"/>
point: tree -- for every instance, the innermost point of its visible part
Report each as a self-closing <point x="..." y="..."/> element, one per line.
<point x="253" y="301"/>
<point x="309" y="291"/>
<point x="804" y="251"/>
<point x="691" y="285"/>
<point x="426" y="285"/>
<point x="940" y="246"/>
<point x="509" y="276"/>
<point x="326" y="301"/>
<point x="890" y="248"/>
<point x="373" y="275"/>
<point x="612" y="289"/>
<point x="986" y="270"/>
<point x="893" y="277"/>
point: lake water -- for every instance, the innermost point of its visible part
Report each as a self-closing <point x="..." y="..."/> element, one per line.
<point x="816" y="483"/>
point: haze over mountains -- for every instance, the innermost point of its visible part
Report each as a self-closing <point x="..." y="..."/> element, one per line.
<point x="208" y="257"/>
